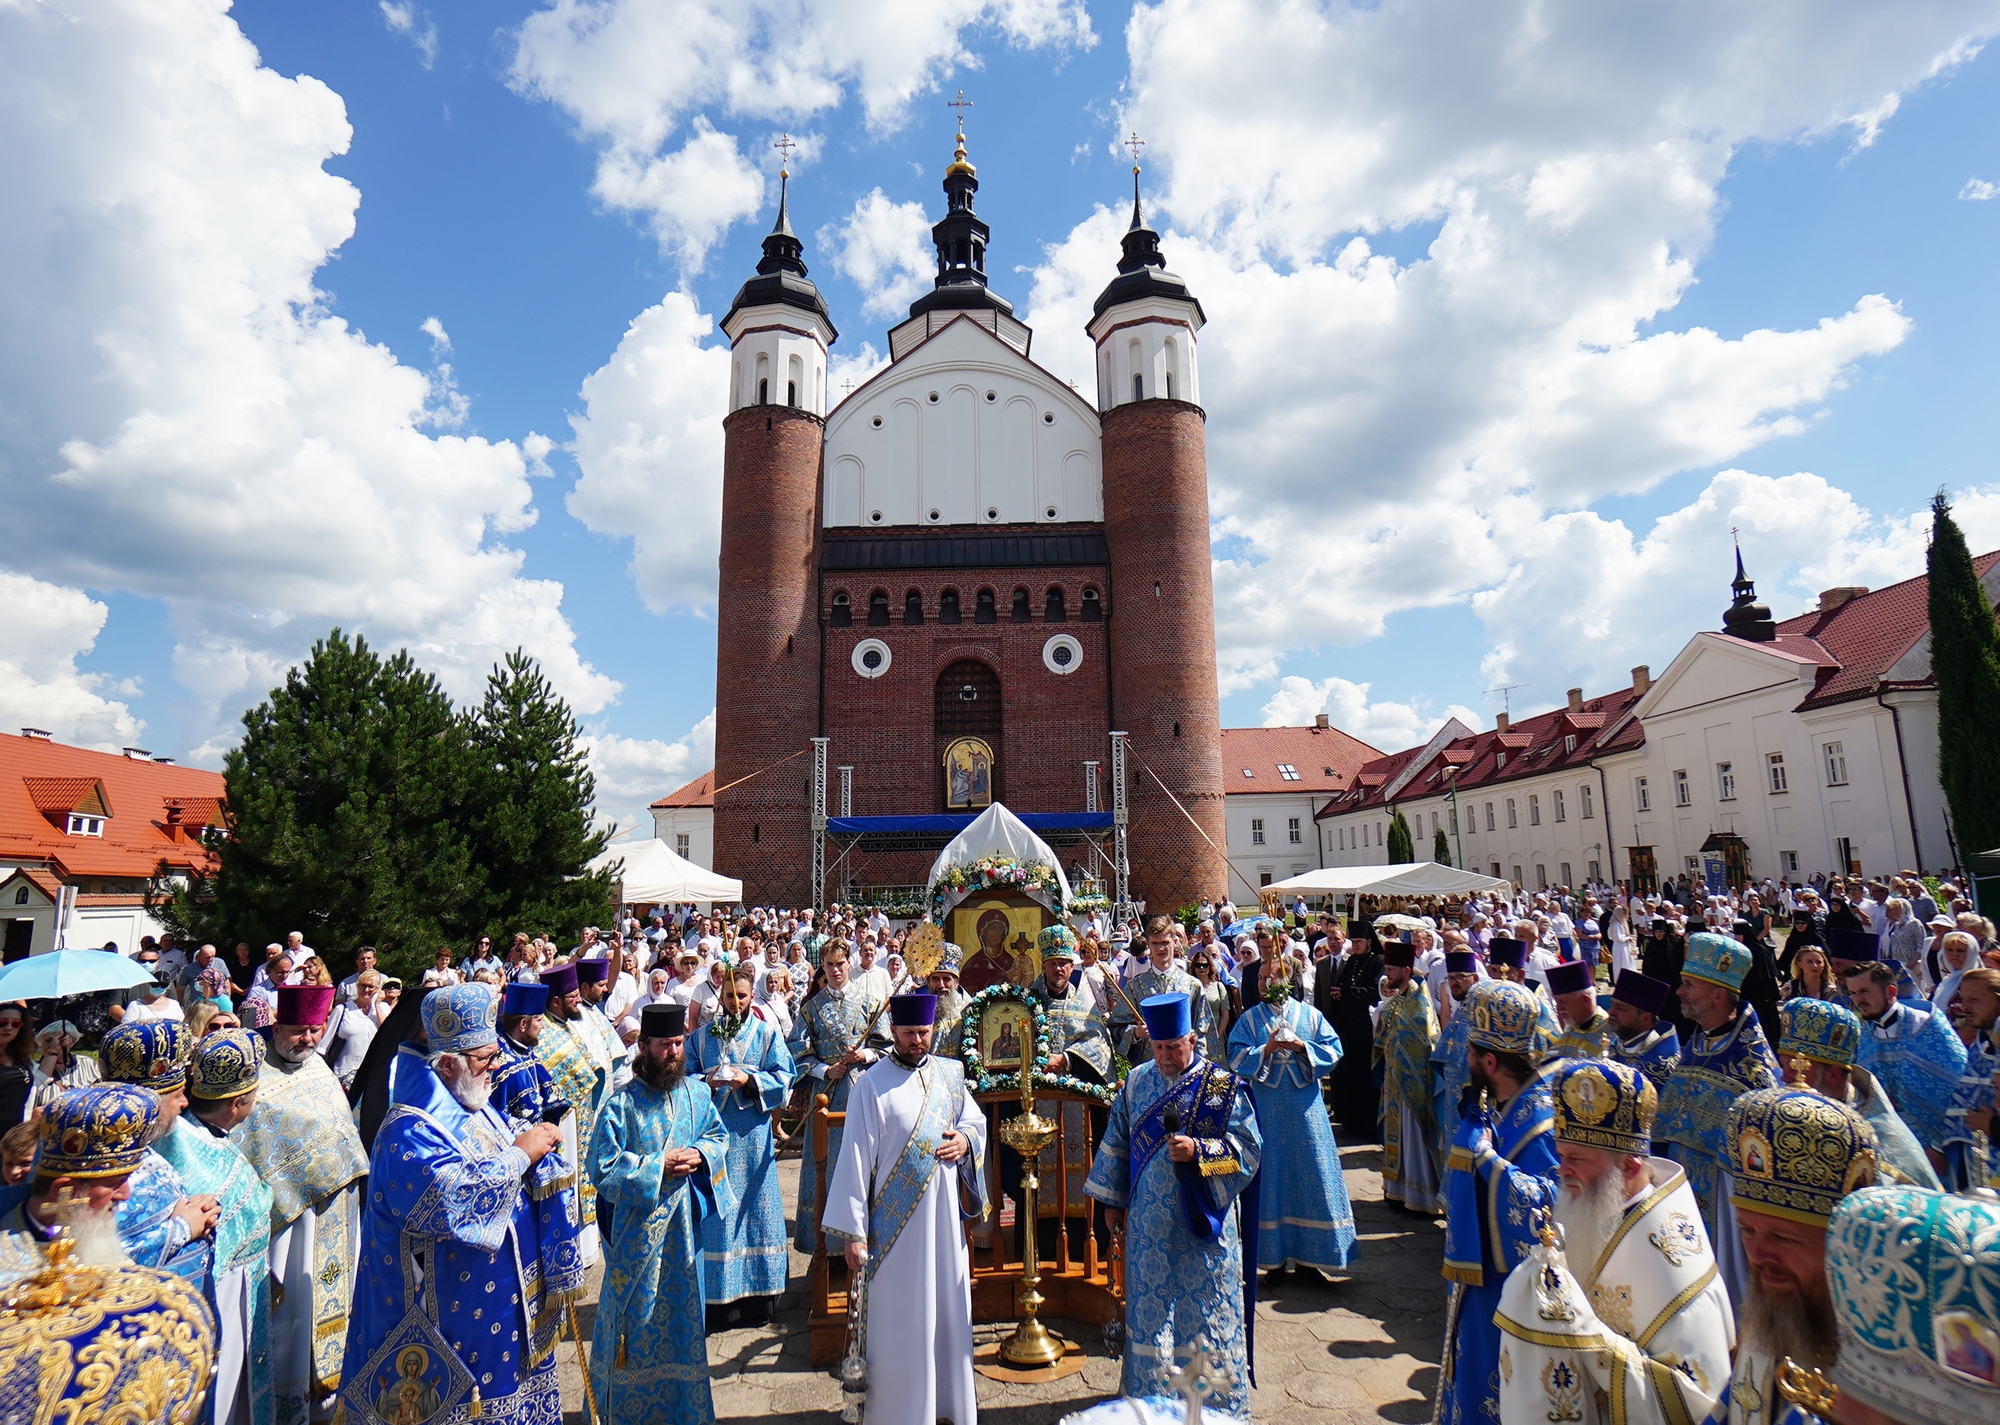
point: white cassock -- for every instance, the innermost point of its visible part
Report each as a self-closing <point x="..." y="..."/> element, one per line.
<point x="921" y="1290"/>
<point x="1647" y="1343"/>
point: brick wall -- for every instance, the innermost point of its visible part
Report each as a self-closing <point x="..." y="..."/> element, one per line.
<point x="1162" y="656"/>
<point x="767" y="670"/>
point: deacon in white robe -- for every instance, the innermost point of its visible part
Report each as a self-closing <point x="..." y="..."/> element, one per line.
<point x="914" y="1138"/>
<point x="1624" y="1316"/>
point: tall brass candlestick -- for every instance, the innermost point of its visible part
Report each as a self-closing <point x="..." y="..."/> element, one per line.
<point x="1031" y="1344"/>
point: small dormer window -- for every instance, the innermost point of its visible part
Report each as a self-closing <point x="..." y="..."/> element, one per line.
<point x="1288" y="772"/>
<point x="1249" y="774"/>
<point x="82" y="825"/>
<point x="1569" y="742"/>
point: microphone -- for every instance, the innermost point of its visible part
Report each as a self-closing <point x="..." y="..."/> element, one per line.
<point x="1172" y="1119"/>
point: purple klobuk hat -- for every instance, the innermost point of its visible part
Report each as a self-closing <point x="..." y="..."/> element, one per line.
<point x="1642" y="992"/>
<point x="1569" y="977"/>
<point x="913" y="1009"/>
<point x="561" y="980"/>
<point x="1460" y="962"/>
<point x="1506" y="953"/>
<point x="592" y="971"/>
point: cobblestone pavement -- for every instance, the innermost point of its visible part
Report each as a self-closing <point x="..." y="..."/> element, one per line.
<point x="1361" y="1348"/>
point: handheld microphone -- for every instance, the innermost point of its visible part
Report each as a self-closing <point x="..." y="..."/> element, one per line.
<point x="1172" y="1119"/>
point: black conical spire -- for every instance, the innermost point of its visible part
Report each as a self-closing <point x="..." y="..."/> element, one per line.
<point x="781" y="273"/>
<point x="1746" y="618"/>
<point x="961" y="239"/>
<point x="1142" y="267"/>
<point x="1142" y="244"/>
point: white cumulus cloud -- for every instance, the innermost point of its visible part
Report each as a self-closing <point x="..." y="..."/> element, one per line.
<point x="1978" y="190"/>
<point x="1391" y="726"/>
<point x="634" y="772"/>
<point x="186" y="420"/>
<point x="885" y="249"/>
<point x="47" y="628"/>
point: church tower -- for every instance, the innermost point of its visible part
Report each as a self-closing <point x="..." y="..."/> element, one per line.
<point x="1162" y="654"/>
<point x="767" y="648"/>
<point x="1747" y="617"/>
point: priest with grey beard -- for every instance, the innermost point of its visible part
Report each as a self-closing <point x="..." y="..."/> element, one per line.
<point x="1623" y="1300"/>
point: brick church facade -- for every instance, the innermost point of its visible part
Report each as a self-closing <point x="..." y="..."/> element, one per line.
<point x="965" y="576"/>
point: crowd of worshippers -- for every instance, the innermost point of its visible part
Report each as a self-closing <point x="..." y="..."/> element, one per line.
<point x="1709" y="1218"/>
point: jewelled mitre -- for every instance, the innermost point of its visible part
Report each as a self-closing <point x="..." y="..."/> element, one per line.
<point x="153" y="1055"/>
<point x="460" y="1018"/>
<point x="1601" y="1103"/>
<point x="225" y="1064"/>
<point x="1816" y="1029"/>
<point x="1057" y="940"/>
<point x="1718" y="959"/>
<point x="96" y="1132"/>
<point x="1795" y="1153"/>
<point x="1505" y="1017"/>
<point x="1915" y="1279"/>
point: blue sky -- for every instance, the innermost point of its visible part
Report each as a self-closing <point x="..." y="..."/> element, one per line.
<point x="1488" y="445"/>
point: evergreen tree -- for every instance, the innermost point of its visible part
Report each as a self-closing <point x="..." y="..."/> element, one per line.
<point x="529" y="809"/>
<point x="1440" y="848"/>
<point x="1965" y="659"/>
<point x="1400" y="847"/>
<point x="345" y="800"/>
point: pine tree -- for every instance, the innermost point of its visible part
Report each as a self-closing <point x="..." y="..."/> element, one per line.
<point x="345" y="802"/>
<point x="1965" y="659"/>
<point x="1401" y="849"/>
<point x="530" y="802"/>
<point x="1440" y="848"/>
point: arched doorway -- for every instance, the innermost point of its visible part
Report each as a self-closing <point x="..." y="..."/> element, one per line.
<point x="967" y="701"/>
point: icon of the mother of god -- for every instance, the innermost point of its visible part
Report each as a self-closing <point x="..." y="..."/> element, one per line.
<point x="991" y="964"/>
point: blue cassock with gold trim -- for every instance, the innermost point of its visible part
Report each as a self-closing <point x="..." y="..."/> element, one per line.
<point x="1493" y="1189"/>
<point x="1917" y="1056"/>
<point x="1716" y="1068"/>
<point x="455" y="1317"/>
<point x="1185" y="1274"/>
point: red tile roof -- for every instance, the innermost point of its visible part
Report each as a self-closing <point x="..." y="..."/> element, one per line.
<point x="1861" y="640"/>
<point x="698" y="793"/>
<point x="42" y="781"/>
<point x="1324" y="759"/>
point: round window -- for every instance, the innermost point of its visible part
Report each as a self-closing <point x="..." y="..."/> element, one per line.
<point x="871" y="658"/>
<point x="993" y="514"/>
<point x="877" y="423"/>
<point x="1048" y="418"/>
<point x="992" y="396"/>
<point x="936" y="515"/>
<point x="934" y="398"/>
<point x="1062" y="654"/>
<point x="1050" y="512"/>
<point x="875" y="517"/>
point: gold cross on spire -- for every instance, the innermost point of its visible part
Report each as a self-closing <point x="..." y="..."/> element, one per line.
<point x="785" y="144"/>
<point x="961" y="103"/>
<point x="1135" y="143"/>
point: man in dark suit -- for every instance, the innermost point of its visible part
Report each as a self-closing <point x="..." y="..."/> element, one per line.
<point x="1344" y="989"/>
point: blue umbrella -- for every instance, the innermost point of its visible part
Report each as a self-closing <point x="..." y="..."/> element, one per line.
<point x="70" y="972"/>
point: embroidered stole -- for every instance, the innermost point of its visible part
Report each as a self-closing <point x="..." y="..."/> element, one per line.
<point x="898" y="1195"/>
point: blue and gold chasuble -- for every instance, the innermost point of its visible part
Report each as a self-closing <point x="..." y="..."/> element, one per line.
<point x="1917" y="1057"/>
<point x="1452" y="1060"/>
<point x="522" y="1089"/>
<point x="1973" y="1090"/>
<point x="1303" y="1213"/>
<point x="1715" y="1069"/>
<point x="1185" y="1276"/>
<point x="649" y="1355"/>
<point x="578" y="1081"/>
<point x="1493" y="1191"/>
<point x="454" y="1319"/>
<point x="150" y="1233"/>
<point x="830" y="1023"/>
<point x="1075" y="1028"/>
<point x="209" y="1164"/>
<point x="746" y="1250"/>
<point x="1655" y="1054"/>
<point x="1406" y="1033"/>
<point x="1149" y="982"/>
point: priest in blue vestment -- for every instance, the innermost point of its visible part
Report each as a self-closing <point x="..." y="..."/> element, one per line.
<point x="1914" y="1054"/>
<point x="525" y="1092"/>
<point x="1181" y="1145"/>
<point x="1283" y="1048"/>
<point x="162" y="1223"/>
<point x="1449" y="1055"/>
<point x="452" y="1316"/>
<point x="745" y="1249"/>
<point x="835" y="1039"/>
<point x="1502" y="1172"/>
<point x="660" y="1157"/>
<point x="1726" y="1056"/>
<point x="1640" y="1038"/>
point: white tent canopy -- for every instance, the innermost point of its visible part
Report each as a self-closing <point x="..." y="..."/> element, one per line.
<point x="654" y="875"/>
<point x="1410" y="878"/>
<point x="998" y="832"/>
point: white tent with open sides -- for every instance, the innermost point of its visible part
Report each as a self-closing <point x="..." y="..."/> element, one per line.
<point x="655" y="875"/>
<point x="1410" y="878"/>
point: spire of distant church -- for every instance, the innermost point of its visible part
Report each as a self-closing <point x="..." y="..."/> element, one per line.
<point x="781" y="272"/>
<point x="1747" y="618"/>
<point x="783" y="252"/>
<point x="1142" y="244"/>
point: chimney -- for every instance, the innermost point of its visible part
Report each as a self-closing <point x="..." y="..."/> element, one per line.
<point x="1642" y="679"/>
<point x="1500" y="723"/>
<point x="173" y="814"/>
<point x="1576" y="700"/>
<point x="164" y="761"/>
<point x="39" y="734"/>
<point x="137" y="754"/>
<point x="1319" y="720"/>
<point x="1831" y="599"/>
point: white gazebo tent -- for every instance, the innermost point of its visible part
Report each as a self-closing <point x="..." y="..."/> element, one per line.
<point x="655" y="875"/>
<point x="1409" y="878"/>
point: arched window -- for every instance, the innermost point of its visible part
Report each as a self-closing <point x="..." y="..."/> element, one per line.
<point x="795" y="378"/>
<point x="1093" y="607"/>
<point x="913" y="607"/>
<point x="1053" y="609"/>
<point x="1138" y="386"/>
<point x="763" y="379"/>
<point x="948" y="606"/>
<point x="983" y="609"/>
<point x="968" y="701"/>
<point x="878" y="609"/>
<point x="843" y="611"/>
<point x="1022" y="613"/>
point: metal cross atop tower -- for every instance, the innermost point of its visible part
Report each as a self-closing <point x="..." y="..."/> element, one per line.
<point x="1135" y="143"/>
<point x="785" y="145"/>
<point x="961" y="103"/>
